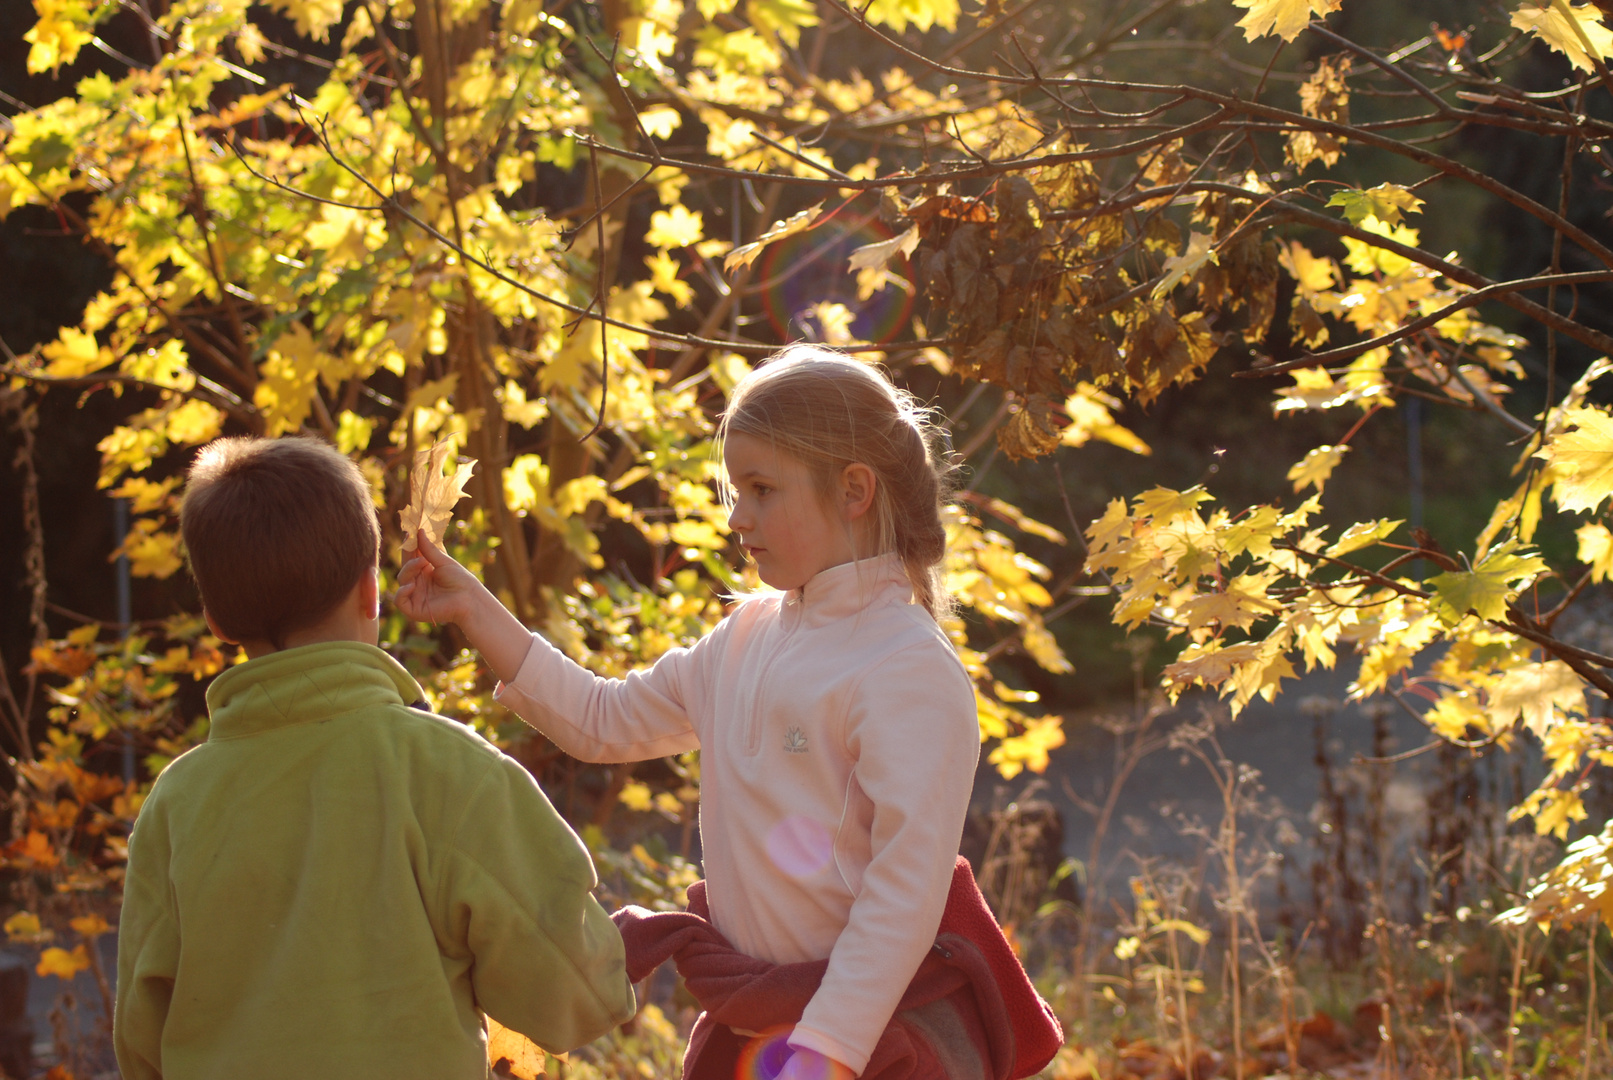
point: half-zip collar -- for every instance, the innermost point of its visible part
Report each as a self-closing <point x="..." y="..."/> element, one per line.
<point x="842" y="591"/>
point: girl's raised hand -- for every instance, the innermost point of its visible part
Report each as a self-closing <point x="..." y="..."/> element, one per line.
<point x="433" y="588"/>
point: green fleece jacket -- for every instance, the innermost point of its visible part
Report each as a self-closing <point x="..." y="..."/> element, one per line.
<point x="338" y="885"/>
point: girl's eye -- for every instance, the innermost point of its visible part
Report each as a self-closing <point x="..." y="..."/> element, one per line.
<point x="762" y="489"/>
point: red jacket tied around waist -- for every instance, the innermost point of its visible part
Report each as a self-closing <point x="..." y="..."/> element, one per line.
<point x="970" y="1011"/>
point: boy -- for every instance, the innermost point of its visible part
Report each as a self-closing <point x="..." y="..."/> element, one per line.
<point x="338" y="883"/>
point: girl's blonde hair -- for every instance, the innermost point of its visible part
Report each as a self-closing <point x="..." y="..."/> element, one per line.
<point x="828" y="411"/>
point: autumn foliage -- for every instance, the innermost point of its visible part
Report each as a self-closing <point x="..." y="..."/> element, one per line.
<point x="551" y="238"/>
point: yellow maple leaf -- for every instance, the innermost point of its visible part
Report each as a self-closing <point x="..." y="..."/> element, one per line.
<point x="664" y="271"/>
<point x="290" y="379"/>
<point x="1208" y="665"/>
<point x="152" y="552"/>
<point x="675" y="228"/>
<point x="1164" y="504"/>
<point x="1313" y="388"/>
<point x="1200" y="250"/>
<point x="1596" y="549"/>
<point x="24" y="926"/>
<point x="1385" y="203"/>
<point x="194" y="422"/>
<point x="56" y="38"/>
<point x="1254" y="532"/>
<point x="1312" y="274"/>
<point x="1263" y="677"/>
<point x="1583" y="457"/>
<point x="636" y="796"/>
<point x="1367" y="258"/>
<point x="90" y="926"/>
<point x="353" y="431"/>
<point x="1043" y="647"/>
<point x="1285" y="18"/>
<point x="1091" y="417"/>
<point x="1362" y="534"/>
<point x="1111" y="530"/>
<point x="1575" y="30"/>
<point x="74" y="354"/>
<point x="526" y="1061"/>
<point x="314" y="17"/>
<point x="920" y="14"/>
<point x="61" y="963"/>
<point x="1537" y="692"/>
<point x="37" y="848"/>
<point x="1522" y="506"/>
<point x="1561" y="808"/>
<point x="1242" y="602"/>
<point x="1029" y="749"/>
<point x="1488" y="587"/>
<point x="1316" y="467"/>
<point x="432" y="494"/>
<point x="1454" y="713"/>
<point x="659" y="121"/>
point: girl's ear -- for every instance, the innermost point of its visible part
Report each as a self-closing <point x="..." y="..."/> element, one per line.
<point x="857" y="482"/>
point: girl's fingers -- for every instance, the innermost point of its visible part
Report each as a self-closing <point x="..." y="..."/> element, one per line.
<point x="431" y="552"/>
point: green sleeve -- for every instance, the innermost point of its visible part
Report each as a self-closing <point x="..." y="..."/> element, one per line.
<point x="546" y="959"/>
<point x="148" y="952"/>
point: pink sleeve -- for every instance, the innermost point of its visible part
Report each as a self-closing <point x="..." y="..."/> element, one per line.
<point x="646" y="715"/>
<point x="916" y="739"/>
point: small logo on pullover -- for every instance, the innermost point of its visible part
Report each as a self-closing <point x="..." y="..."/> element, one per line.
<point x="794" y="741"/>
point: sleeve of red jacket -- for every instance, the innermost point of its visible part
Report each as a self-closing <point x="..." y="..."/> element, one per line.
<point x="916" y="739"/>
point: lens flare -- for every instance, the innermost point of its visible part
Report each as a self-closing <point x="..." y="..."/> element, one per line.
<point x="800" y="846"/>
<point x="763" y="1058"/>
<point x="802" y="271"/>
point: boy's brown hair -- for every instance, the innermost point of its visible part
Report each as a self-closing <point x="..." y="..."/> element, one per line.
<point x="278" y="532"/>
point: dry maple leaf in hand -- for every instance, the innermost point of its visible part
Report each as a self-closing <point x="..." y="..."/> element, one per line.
<point x="521" y="1057"/>
<point x="432" y="495"/>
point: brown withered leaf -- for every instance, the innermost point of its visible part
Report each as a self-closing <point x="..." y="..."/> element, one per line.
<point x="1034" y="369"/>
<point x="1019" y="208"/>
<point x="509" y="1053"/>
<point x="951" y="208"/>
<point x="432" y="494"/>
<point x="1324" y="96"/>
<point x="1164" y="165"/>
<point x="1306" y="324"/>
<point x="987" y="359"/>
<point x="1031" y="430"/>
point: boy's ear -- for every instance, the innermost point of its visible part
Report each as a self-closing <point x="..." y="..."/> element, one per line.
<point x="857" y="482"/>
<point x="369" y="587"/>
<point x="216" y="632"/>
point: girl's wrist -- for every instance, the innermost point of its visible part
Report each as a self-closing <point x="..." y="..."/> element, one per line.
<point x="497" y="634"/>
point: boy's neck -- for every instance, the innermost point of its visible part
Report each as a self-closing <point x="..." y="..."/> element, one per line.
<point x="356" y="618"/>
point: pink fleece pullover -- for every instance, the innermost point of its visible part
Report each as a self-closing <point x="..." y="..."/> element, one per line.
<point x="838" y="743"/>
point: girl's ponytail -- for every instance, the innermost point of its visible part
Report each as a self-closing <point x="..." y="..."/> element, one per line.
<point x="828" y="411"/>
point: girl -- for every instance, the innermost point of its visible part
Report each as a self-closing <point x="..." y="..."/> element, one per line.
<point x="836" y="725"/>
